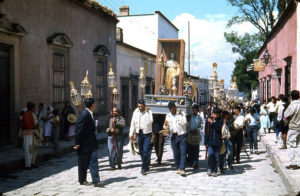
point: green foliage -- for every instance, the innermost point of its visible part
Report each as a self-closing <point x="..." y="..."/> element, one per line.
<point x="260" y="13"/>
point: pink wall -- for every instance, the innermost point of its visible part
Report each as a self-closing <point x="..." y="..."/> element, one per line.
<point x="281" y="45"/>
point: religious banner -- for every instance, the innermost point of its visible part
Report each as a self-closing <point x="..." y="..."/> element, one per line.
<point x="259" y="65"/>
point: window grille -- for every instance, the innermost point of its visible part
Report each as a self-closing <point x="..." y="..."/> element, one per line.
<point x="101" y="87"/>
<point x="60" y="87"/>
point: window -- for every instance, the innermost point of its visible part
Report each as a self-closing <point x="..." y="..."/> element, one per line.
<point x="60" y="80"/>
<point x="269" y="89"/>
<point x="60" y="44"/>
<point x="101" y="86"/>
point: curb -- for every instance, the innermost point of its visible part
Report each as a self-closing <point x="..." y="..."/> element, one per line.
<point x="18" y="164"/>
<point x="288" y="181"/>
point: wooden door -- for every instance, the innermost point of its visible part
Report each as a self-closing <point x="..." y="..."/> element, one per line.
<point x="4" y="95"/>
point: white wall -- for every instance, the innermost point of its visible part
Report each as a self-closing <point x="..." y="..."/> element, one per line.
<point x="142" y="31"/>
<point x="165" y="29"/>
<point x="298" y="47"/>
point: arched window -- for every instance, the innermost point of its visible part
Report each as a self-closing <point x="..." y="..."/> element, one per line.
<point x="60" y="45"/>
<point x="102" y="53"/>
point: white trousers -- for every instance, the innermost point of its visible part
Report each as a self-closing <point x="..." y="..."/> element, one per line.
<point x="29" y="150"/>
<point x="293" y="139"/>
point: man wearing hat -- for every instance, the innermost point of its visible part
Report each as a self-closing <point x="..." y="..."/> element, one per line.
<point x="213" y="141"/>
<point x="86" y="144"/>
<point x="194" y="137"/>
<point x="176" y="122"/>
<point x="141" y="124"/>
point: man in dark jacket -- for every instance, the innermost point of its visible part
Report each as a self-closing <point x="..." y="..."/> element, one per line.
<point x="213" y="141"/>
<point x="86" y="143"/>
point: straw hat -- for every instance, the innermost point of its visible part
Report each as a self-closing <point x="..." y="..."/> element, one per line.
<point x="133" y="147"/>
<point x="194" y="138"/>
<point x="223" y="148"/>
<point x="165" y="132"/>
<point x="72" y="118"/>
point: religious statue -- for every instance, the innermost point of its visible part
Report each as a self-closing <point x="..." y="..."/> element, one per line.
<point x="172" y="74"/>
<point x="189" y="88"/>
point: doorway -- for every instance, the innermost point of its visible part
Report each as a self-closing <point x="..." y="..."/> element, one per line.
<point x="4" y="94"/>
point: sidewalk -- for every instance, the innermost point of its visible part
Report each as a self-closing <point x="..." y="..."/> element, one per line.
<point x="279" y="157"/>
<point x="12" y="158"/>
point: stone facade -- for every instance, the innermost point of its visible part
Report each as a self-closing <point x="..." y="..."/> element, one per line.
<point x="49" y="43"/>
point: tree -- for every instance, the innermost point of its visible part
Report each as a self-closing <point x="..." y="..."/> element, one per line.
<point x="260" y="13"/>
<point x="247" y="46"/>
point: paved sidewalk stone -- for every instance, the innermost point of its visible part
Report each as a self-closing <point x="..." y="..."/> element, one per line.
<point x="59" y="177"/>
<point x="279" y="157"/>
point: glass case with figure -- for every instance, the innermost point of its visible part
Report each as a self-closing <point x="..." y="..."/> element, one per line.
<point x="169" y="67"/>
<point x="170" y="83"/>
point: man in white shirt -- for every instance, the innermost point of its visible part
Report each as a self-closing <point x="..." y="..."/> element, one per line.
<point x="141" y="124"/>
<point x="176" y="122"/>
<point x="252" y="121"/>
<point x="236" y="133"/>
<point x="272" y="108"/>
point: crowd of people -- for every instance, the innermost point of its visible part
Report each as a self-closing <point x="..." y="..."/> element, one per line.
<point x="38" y="127"/>
<point x="223" y="131"/>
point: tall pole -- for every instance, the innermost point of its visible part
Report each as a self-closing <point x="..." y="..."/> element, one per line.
<point x="112" y="117"/>
<point x="189" y="48"/>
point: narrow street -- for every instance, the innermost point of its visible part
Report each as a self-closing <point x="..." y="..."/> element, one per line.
<point x="59" y="177"/>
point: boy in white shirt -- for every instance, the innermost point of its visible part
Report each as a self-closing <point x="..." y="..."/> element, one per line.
<point x="176" y="122"/>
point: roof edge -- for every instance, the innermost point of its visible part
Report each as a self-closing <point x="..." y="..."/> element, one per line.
<point x="286" y="14"/>
<point x="135" y="48"/>
<point x="158" y="12"/>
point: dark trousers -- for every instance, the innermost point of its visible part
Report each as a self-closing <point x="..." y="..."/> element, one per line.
<point x="144" y="148"/>
<point x="213" y="158"/>
<point x="94" y="167"/>
<point x="252" y="135"/>
<point x="83" y="165"/>
<point x="180" y="145"/>
<point x="159" y="146"/>
<point x="237" y="143"/>
<point x="273" y="118"/>
<point x="193" y="154"/>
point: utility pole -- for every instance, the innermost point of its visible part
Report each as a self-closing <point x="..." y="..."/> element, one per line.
<point x="189" y="48"/>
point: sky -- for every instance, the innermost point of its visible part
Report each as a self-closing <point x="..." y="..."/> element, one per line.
<point x="208" y="19"/>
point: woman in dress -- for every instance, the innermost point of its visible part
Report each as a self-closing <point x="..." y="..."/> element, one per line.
<point x="48" y="126"/>
<point x="264" y="118"/>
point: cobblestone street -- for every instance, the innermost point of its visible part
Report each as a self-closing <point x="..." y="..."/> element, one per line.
<point x="59" y="177"/>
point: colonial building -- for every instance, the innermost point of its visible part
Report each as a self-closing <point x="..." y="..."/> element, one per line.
<point x="137" y="37"/>
<point x="46" y="43"/>
<point x="130" y="60"/>
<point x="143" y="30"/>
<point x="202" y="90"/>
<point x="281" y="73"/>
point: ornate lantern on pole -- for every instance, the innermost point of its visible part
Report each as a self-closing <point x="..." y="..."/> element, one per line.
<point x="142" y="81"/>
<point x="85" y="92"/>
<point x="115" y="94"/>
<point x="112" y="84"/>
<point x="85" y="85"/>
<point x="235" y="89"/>
<point x="75" y="96"/>
<point x="111" y="79"/>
